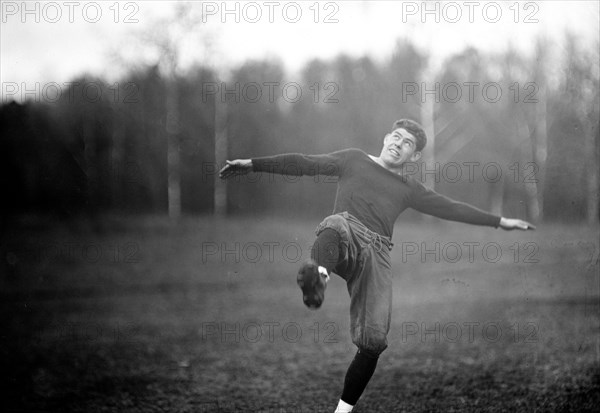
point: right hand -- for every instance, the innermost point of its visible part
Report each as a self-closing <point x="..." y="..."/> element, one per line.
<point x="235" y="167"/>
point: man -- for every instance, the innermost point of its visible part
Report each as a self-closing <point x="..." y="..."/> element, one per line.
<point x="355" y="242"/>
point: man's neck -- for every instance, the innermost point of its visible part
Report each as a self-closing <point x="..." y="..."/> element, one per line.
<point x="397" y="171"/>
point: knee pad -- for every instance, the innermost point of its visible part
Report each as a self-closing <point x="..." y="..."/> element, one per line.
<point x="334" y="222"/>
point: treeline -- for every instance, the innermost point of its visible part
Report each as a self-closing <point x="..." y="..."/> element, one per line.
<point x="510" y="134"/>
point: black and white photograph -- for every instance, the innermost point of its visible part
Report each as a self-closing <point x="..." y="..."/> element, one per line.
<point x="302" y="206"/>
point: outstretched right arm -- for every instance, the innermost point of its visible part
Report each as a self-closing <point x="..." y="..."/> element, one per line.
<point x="288" y="164"/>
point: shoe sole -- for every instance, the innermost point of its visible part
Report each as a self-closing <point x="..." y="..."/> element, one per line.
<point x="308" y="280"/>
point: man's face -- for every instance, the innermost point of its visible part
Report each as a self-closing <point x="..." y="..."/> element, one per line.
<point x="399" y="147"/>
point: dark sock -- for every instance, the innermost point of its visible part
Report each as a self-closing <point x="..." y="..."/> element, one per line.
<point x="358" y="375"/>
<point x="326" y="249"/>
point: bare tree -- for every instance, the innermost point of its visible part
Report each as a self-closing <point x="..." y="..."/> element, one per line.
<point x="221" y="145"/>
<point x="539" y="134"/>
<point x="581" y="91"/>
<point x="166" y="38"/>
<point x="427" y="114"/>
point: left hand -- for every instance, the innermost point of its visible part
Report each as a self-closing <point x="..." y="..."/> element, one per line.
<point x="511" y="223"/>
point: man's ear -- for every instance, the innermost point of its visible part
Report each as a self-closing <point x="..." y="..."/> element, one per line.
<point x="415" y="156"/>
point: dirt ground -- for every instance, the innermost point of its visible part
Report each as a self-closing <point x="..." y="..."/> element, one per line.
<point x="139" y="315"/>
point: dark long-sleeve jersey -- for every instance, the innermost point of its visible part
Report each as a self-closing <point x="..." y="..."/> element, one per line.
<point x="370" y="192"/>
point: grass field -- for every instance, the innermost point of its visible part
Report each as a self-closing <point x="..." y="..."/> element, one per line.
<point x="205" y="316"/>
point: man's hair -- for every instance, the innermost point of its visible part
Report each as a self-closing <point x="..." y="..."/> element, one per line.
<point x="414" y="129"/>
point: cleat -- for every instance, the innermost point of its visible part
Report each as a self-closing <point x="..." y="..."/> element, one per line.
<point x="313" y="282"/>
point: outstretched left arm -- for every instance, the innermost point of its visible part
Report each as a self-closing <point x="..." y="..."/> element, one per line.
<point x="432" y="203"/>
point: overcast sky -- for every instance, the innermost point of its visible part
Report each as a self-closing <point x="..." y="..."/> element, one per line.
<point x="66" y="40"/>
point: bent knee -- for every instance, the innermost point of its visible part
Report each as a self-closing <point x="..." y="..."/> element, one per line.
<point x="336" y="222"/>
<point x="372" y="342"/>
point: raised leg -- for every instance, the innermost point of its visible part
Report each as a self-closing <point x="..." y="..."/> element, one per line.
<point x="326" y="249"/>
